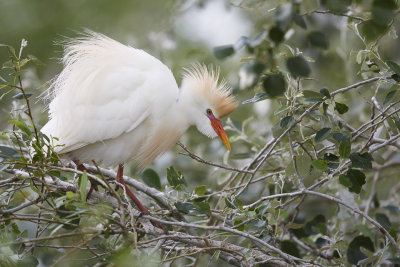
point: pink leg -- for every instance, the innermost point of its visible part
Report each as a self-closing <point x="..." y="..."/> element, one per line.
<point x="93" y="183"/>
<point x="137" y="202"/>
<point x="132" y="196"/>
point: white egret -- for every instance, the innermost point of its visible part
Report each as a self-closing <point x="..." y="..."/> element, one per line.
<point x="113" y="104"/>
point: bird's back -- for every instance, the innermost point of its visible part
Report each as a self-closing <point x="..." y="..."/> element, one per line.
<point x="105" y="101"/>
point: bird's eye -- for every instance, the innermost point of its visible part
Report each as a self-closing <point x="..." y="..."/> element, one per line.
<point x="209" y="112"/>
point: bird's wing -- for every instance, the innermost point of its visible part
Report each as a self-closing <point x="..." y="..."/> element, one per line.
<point x="115" y="106"/>
<point x="105" y="89"/>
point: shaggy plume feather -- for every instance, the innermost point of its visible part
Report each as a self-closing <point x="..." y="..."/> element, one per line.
<point x="79" y="54"/>
<point x="205" y="81"/>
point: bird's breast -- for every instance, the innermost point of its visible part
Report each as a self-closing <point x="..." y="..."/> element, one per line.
<point x="141" y="145"/>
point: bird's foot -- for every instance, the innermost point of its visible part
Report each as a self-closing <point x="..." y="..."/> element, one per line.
<point x="139" y="205"/>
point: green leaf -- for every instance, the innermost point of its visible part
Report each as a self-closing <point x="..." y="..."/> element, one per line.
<point x="68" y="214"/>
<point x="8" y="65"/>
<point x="325" y="92"/>
<point x="151" y="178"/>
<point x="373" y="66"/>
<point x="392" y="208"/>
<point x="36" y="189"/>
<point x="238" y="221"/>
<point x="345" y="181"/>
<point x="320" y="165"/>
<point x="255" y="226"/>
<point x="298" y="66"/>
<point x="256" y="98"/>
<point x="184" y="207"/>
<point x="311" y="94"/>
<point x="24" y="61"/>
<point x="174" y="178"/>
<point x="364" y="230"/>
<point x="383" y="220"/>
<point x="12" y="49"/>
<point x="281" y="109"/>
<point x="339" y="137"/>
<point x="299" y="20"/>
<point x="292" y="225"/>
<point x="357" y="178"/>
<point x="70" y="195"/>
<point x="313" y="99"/>
<point x="234" y="203"/>
<point x="202" y="207"/>
<point x="221" y="52"/>
<point x="392" y="125"/>
<point x="354" y="254"/>
<point x="337" y="6"/>
<point x="286" y="122"/>
<point x="396" y="77"/>
<point x="262" y="208"/>
<point x="276" y="34"/>
<point x="22" y="126"/>
<point x="316" y="226"/>
<point x="9" y="152"/>
<point x="274" y="84"/>
<point x="361" y="160"/>
<point x="389" y="97"/>
<point x="318" y="39"/>
<point x="27" y="260"/>
<point x="229" y="203"/>
<point x="322" y="134"/>
<point x="394" y="260"/>
<point x="393" y="66"/>
<point x="383" y="11"/>
<point x="303" y="166"/>
<point x="344" y="149"/>
<point x="200" y="190"/>
<point x="253" y="68"/>
<point x="341" y="108"/>
<point x="238" y="202"/>
<point x="372" y="30"/>
<point x="325" y="108"/>
<point x="397" y="124"/>
<point x="83" y="182"/>
<point x="290" y="247"/>
<point x="353" y="180"/>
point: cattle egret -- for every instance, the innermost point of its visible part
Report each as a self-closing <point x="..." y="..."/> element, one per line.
<point x="113" y="104"/>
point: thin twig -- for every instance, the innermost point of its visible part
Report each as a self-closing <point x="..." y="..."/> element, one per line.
<point x="197" y="158"/>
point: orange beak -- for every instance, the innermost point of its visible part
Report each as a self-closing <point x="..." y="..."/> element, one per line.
<point x="216" y="124"/>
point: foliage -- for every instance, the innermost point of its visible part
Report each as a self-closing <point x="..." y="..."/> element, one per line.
<point x="313" y="182"/>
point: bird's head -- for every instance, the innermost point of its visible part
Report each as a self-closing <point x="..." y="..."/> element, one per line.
<point x="207" y="100"/>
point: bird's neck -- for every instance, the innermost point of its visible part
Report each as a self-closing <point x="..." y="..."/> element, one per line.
<point x="186" y="106"/>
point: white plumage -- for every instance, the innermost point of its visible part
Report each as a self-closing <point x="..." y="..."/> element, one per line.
<point x="113" y="103"/>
